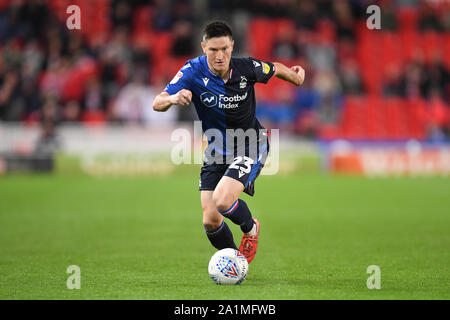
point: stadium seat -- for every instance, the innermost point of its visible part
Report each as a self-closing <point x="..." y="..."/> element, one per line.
<point x="161" y="43"/>
<point x="261" y="34"/>
<point x="142" y="18"/>
<point x="408" y="18"/>
<point x="353" y="117"/>
<point x="375" y="123"/>
<point x="397" y="121"/>
<point x="410" y="44"/>
<point x="4" y="4"/>
<point x="431" y="45"/>
<point x="329" y="132"/>
<point x="93" y="117"/>
<point x="390" y="49"/>
<point x="417" y="117"/>
<point x="445" y="41"/>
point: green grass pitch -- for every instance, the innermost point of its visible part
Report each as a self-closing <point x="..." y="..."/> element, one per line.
<point x="142" y="238"/>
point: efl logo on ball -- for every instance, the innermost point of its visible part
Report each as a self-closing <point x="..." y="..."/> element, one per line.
<point x="228" y="266"/>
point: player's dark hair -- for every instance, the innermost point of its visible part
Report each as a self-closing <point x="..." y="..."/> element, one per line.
<point x="217" y="29"/>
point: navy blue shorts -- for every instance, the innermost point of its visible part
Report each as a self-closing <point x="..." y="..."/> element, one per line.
<point x="244" y="168"/>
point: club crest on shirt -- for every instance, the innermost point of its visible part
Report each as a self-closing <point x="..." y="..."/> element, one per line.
<point x="243" y="82"/>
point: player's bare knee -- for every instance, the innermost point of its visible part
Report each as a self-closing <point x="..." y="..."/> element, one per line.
<point x="211" y="223"/>
<point x="222" y="202"/>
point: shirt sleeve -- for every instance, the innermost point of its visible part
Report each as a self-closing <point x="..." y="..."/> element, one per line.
<point x="262" y="70"/>
<point x="180" y="81"/>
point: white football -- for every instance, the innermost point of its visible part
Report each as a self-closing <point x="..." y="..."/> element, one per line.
<point x="228" y="266"/>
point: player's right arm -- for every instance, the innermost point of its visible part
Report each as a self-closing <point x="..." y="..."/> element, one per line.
<point x="177" y="91"/>
<point x="164" y="100"/>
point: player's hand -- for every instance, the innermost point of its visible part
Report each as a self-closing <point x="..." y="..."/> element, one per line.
<point x="182" y="97"/>
<point x="300" y="72"/>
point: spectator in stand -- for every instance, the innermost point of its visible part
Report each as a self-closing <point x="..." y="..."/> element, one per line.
<point x="270" y="8"/>
<point x="51" y="109"/>
<point x="429" y="20"/>
<point x="394" y="82"/>
<point x="388" y="16"/>
<point x="436" y="78"/>
<point x="12" y="25"/>
<point x="344" y="20"/>
<point x="33" y="58"/>
<point x="93" y="99"/>
<point x="71" y="111"/>
<point x="327" y="84"/>
<point x="325" y="8"/>
<point x="76" y="49"/>
<point x="116" y="60"/>
<point x="134" y="102"/>
<point x="306" y="15"/>
<point x="9" y="92"/>
<point x="349" y="78"/>
<point x="53" y="80"/>
<point x="30" y="96"/>
<point x="321" y="55"/>
<point x="162" y="19"/>
<point x="122" y="14"/>
<point x="35" y="15"/>
<point x="306" y="102"/>
<point x="445" y="20"/>
<point x="280" y="112"/>
<point x="182" y="10"/>
<point x="285" y="46"/>
<point x="414" y="80"/>
<point x="12" y="55"/>
<point x="49" y="118"/>
<point x="183" y="44"/>
<point x="54" y="46"/>
<point x="132" y="99"/>
<point x="119" y="48"/>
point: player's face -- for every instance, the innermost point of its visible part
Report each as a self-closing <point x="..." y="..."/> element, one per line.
<point x="218" y="53"/>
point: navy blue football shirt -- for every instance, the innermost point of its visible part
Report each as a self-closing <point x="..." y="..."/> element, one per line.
<point x="223" y="105"/>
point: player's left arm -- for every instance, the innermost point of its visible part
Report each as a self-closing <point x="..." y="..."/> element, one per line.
<point x="295" y="74"/>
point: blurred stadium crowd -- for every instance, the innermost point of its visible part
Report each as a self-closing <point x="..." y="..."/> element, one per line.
<point x="391" y="83"/>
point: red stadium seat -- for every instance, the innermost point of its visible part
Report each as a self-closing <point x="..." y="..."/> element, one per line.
<point x="352" y="117"/>
<point x="160" y="50"/>
<point x="408" y="18"/>
<point x="390" y="49"/>
<point x="410" y="43"/>
<point x="375" y="118"/>
<point x="4" y="4"/>
<point x="261" y="34"/>
<point x="93" y="117"/>
<point x="431" y="45"/>
<point x="397" y="121"/>
<point x="439" y="113"/>
<point x="445" y="41"/>
<point x="329" y="131"/>
<point x="417" y="117"/>
<point x="142" y="18"/>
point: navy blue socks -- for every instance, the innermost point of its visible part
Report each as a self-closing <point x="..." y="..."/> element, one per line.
<point x="221" y="237"/>
<point x="240" y="214"/>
